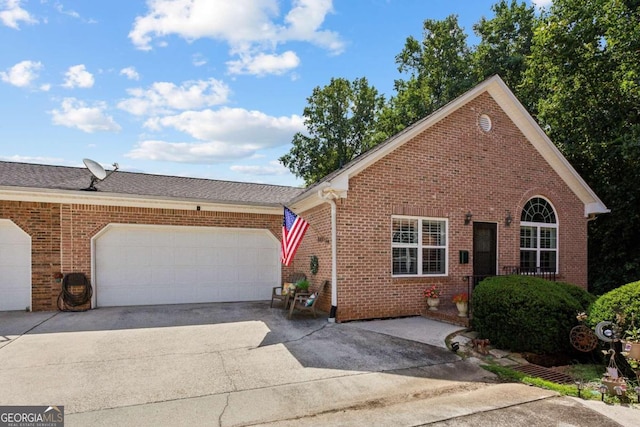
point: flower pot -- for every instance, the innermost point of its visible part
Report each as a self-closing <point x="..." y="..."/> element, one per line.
<point x="463" y="308"/>
<point x="633" y="349"/>
<point x="612" y="383"/>
<point x="433" y="303"/>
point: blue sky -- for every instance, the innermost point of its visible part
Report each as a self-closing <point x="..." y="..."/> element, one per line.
<point x="202" y="88"/>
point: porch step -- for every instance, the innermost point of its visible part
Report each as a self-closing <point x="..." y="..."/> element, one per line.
<point x="447" y="316"/>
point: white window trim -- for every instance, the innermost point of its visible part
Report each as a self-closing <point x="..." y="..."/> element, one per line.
<point x="539" y="225"/>
<point x="420" y="246"/>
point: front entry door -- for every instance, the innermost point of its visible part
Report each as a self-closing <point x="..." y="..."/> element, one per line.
<point x="484" y="249"/>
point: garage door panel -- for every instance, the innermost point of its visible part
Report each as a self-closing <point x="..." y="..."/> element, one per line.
<point x="15" y="267"/>
<point x="167" y="264"/>
<point x="162" y="255"/>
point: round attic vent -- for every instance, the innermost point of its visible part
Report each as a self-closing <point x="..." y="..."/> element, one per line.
<point x="485" y="122"/>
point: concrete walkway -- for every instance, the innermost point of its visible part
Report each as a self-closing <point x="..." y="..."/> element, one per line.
<point x="242" y="364"/>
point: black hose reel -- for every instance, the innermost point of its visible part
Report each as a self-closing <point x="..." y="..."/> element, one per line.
<point x="76" y="293"/>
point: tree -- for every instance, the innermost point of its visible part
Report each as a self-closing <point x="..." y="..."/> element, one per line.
<point x="584" y="73"/>
<point x="439" y="69"/>
<point x="505" y="42"/>
<point x="340" y="120"/>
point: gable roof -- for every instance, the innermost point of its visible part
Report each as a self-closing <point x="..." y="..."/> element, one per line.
<point x="337" y="182"/>
<point x="34" y="182"/>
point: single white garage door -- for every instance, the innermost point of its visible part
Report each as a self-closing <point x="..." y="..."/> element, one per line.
<point x="141" y="265"/>
<point x="15" y="267"/>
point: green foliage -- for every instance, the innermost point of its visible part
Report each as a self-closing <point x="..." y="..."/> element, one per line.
<point x="505" y="42"/>
<point x="302" y="285"/>
<point x="582" y="84"/>
<point x="624" y="300"/>
<point x="340" y="119"/>
<point x="523" y="313"/>
<point x="438" y="69"/>
<point x="510" y="375"/>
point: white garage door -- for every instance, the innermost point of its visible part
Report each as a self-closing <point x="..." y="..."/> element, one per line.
<point x="141" y="265"/>
<point x="15" y="267"/>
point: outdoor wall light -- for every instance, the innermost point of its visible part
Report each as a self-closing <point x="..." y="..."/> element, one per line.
<point x="508" y="220"/>
<point x="467" y="218"/>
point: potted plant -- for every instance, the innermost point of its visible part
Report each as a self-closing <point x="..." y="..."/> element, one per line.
<point x="462" y="303"/>
<point x="302" y="285"/>
<point x="432" y="296"/>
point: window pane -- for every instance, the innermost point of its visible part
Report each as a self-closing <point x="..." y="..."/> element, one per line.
<point x="405" y="231"/>
<point x="548" y="260"/>
<point x="528" y="237"/>
<point x="528" y="260"/>
<point x="433" y="261"/>
<point x="538" y="210"/>
<point x="433" y="233"/>
<point x="405" y="261"/>
<point x="547" y="238"/>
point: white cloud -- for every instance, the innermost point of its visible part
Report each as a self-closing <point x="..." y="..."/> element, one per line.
<point x="542" y="3"/>
<point x="198" y="60"/>
<point x="78" y="76"/>
<point x="184" y="152"/>
<point x="249" y="27"/>
<point x="233" y="126"/>
<point x="11" y="14"/>
<point x="262" y="64"/>
<point x="165" y="97"/>
<point x="274" y="168"/>
<point x="75" y="113"/>
<point x="45" y="87"/>
<point x="131" y="73"/>
<point x="224" y="135"/>
<point x="21" y="74"/>
<point x="34" y="159"/>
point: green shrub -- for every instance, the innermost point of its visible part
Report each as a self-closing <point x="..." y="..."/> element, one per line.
<point x="624" y="300"/>
<point x="524" y="313"/>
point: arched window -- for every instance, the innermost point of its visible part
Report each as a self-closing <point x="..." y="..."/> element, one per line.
<point x="538" y="237"/>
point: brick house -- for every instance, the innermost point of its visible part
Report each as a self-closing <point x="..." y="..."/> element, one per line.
<point x="472" y="189"/>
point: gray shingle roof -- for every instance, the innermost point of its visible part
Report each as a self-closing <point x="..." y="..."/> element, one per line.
<point x="141" y="184"/>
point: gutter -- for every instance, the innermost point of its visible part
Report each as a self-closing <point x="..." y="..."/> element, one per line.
<point x="330" y="195"/>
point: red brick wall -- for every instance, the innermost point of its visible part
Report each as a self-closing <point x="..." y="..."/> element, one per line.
<point x="61" y="235"/>
<point x="450" y="169"/>
<point x="317" y="241"/>
<point x="41" y="221"/>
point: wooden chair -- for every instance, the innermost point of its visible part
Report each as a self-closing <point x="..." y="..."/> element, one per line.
<point x="304" y="302"/>
<point x="279" y="293"/>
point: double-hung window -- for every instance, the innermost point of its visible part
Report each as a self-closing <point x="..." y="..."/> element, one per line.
<point x="419" y="246"/>
<point x="538" y="237"/>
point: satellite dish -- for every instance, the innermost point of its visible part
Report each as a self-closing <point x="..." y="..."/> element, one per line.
<point x="95" y="168"/>
<point x="97" y="171"/>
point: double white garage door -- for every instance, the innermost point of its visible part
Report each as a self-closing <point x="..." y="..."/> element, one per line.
<point x="143" y="264"/>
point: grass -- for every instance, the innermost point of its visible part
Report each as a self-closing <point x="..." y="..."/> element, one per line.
<point x="588" y="375"/>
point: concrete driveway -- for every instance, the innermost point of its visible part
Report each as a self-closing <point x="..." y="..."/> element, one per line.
<point x="233" y="364"/>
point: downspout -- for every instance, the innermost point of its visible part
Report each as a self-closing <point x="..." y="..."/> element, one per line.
<point x="331" y="196"/>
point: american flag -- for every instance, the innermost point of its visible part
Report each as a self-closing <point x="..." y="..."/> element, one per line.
<point x="293" y="229"/>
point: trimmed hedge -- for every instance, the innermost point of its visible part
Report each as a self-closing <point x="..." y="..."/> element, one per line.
<point x="524" y="313"/>
<point x="624" y="300"/>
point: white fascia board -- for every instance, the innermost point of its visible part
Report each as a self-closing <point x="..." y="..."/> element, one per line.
<point x="111" y="199"/>
<point x="547" y="149"/>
